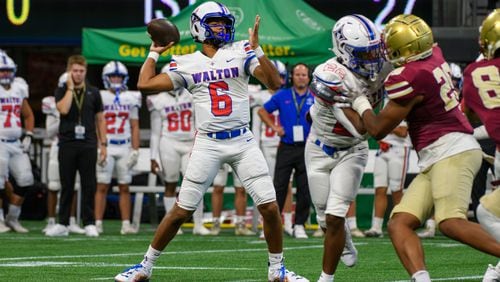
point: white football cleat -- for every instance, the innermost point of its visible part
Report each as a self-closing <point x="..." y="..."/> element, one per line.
<point x="128" y="229"/>
<point x="284" y="275"/>
<point x="76" y="229"/>
<point x="492" y="273"/>
<point x="288" y="230"/>
<point x="91" y="231"/>
<point x="355" y="232"/>
<point x="374" y="233"/>
<point x="99" y="227"/>
<point x="15" y="225"/>
<point x="262" y="236"/>
<point x="135" y="273"/>
<point x="427" y="233"/>
<point x="57" y="230"/>
<point x="201" y="230"/>
<point x="47" y="227"/>
<point x="215" y="230"/>
<point x="3" y="228"/>
<point x="242" y="230"/>
<point x="350" y="254"/>
<point x="299" y="232"/>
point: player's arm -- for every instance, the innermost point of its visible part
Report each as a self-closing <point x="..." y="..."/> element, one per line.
<point x="401" y="131"/>
<point x="266" y="72"/>
<point x="148" y="80"/>
<point x="378" y="126"/>
<point x="135" y="130"/>
<point x="256" y="123"/>
<point x="101" y="134"/>
<point x="28" y="116"/>
<point x="350" y="120"/>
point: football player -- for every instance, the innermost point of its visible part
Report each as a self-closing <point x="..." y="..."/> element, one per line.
<point x="481" y="92"/>
<point x="121" y="111"/>
<point x="14" y="104"/>
<point x="172" y="136"/>
<point x="449" y="156"/>
<point x="217" y="76"/>
<point x="54" y="184"/>
<point x="336" y="146"/>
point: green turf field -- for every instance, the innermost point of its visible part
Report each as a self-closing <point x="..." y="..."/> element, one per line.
<point x="34" y="257"/>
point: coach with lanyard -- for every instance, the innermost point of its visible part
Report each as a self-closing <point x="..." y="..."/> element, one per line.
<point x="293" y="104"/>
<point x="82" y="122"/>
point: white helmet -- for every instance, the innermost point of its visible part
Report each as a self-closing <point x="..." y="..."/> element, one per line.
<point x="115" y="68"/>
<point x="356" y="42"/>
<point x="62" y="79"/>
<point x="280" y="67"/>
<point x="201" y="31"/>
<point x="6" y="63"/>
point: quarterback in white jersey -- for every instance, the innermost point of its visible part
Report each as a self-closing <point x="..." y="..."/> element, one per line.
<point x="13" y="158"/>
<point x="217" y="76"/>
<point x="336" y="151"/>
<point x="121" y="111"/>
<point x="390" y="167"/>
<point x="172" y="135"/>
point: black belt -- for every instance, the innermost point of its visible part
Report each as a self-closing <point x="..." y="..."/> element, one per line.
<point x="295" y="144"/>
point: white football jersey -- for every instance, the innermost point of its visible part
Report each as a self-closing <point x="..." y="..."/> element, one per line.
<point x="219" y="85"/>
<point x="268" y="137"/>
<point x="176" y="112"/>
<point x="118" y="111"/>
<point x="10" y="109"/>
<point x="326" y="126"/>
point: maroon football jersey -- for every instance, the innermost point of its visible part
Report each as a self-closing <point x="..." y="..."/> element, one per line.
<point x="438" y="114"/>
<point x="481" y="91"/>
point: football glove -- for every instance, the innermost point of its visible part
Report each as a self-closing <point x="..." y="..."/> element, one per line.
<point x="132" y="158"/>
<point x="26" y="143"/>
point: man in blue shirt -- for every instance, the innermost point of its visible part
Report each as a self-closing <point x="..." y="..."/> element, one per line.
<point x="293" y="104"/>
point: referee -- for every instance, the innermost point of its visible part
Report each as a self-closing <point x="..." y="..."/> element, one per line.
<point x="80" y="106"/>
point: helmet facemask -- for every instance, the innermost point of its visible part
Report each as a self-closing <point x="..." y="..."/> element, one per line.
<point x="8" y="69"/>
<point x="209" y="16"/>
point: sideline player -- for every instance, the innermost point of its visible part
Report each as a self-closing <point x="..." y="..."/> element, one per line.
<point x="172" y="135"/>
<point x="481" y="93"/>
<point x="441" y="135"/>
<point x="13" y="152"/>
<point x="217" y="76"/>
<point x="54" y="184"/>
<point x="121" y="112"/>
<point x="336" y="146"/>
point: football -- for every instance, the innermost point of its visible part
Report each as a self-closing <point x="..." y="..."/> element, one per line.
<point x="162" y="32"/>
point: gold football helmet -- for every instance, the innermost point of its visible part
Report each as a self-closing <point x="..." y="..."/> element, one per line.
<point x="489" y="37"/>
<point x="407" y="38"/>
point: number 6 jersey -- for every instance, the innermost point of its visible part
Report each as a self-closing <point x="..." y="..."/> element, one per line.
<point x="219" y="85"/>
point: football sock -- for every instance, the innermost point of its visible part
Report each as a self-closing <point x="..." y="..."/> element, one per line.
<point x="72" y="220"/>
<point x="421" y="276"/>
<point x="326" y="277"/>
<point x="198" y="215"/>
<point x="377" y="223"/>
<point x="1" y="214"/>
<point x="351" y="222"/>
<point x="287" y="217"/>
<point x="275" y="260"/>
<point x="126" y="222"/>
<point x="169" y="202"/>
<point x="14" y="211"/>
<point x="430" y="224"/>
<point x="150" y="258"/>
<point x="51" y="220"/>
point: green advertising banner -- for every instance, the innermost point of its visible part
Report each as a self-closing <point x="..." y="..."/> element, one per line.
<point x="290" y="31"/>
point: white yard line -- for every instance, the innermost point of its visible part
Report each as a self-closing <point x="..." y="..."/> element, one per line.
<point x="463" y="278"/>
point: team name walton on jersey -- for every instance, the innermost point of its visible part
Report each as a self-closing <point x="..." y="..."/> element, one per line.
<point x="217" y="74"/>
